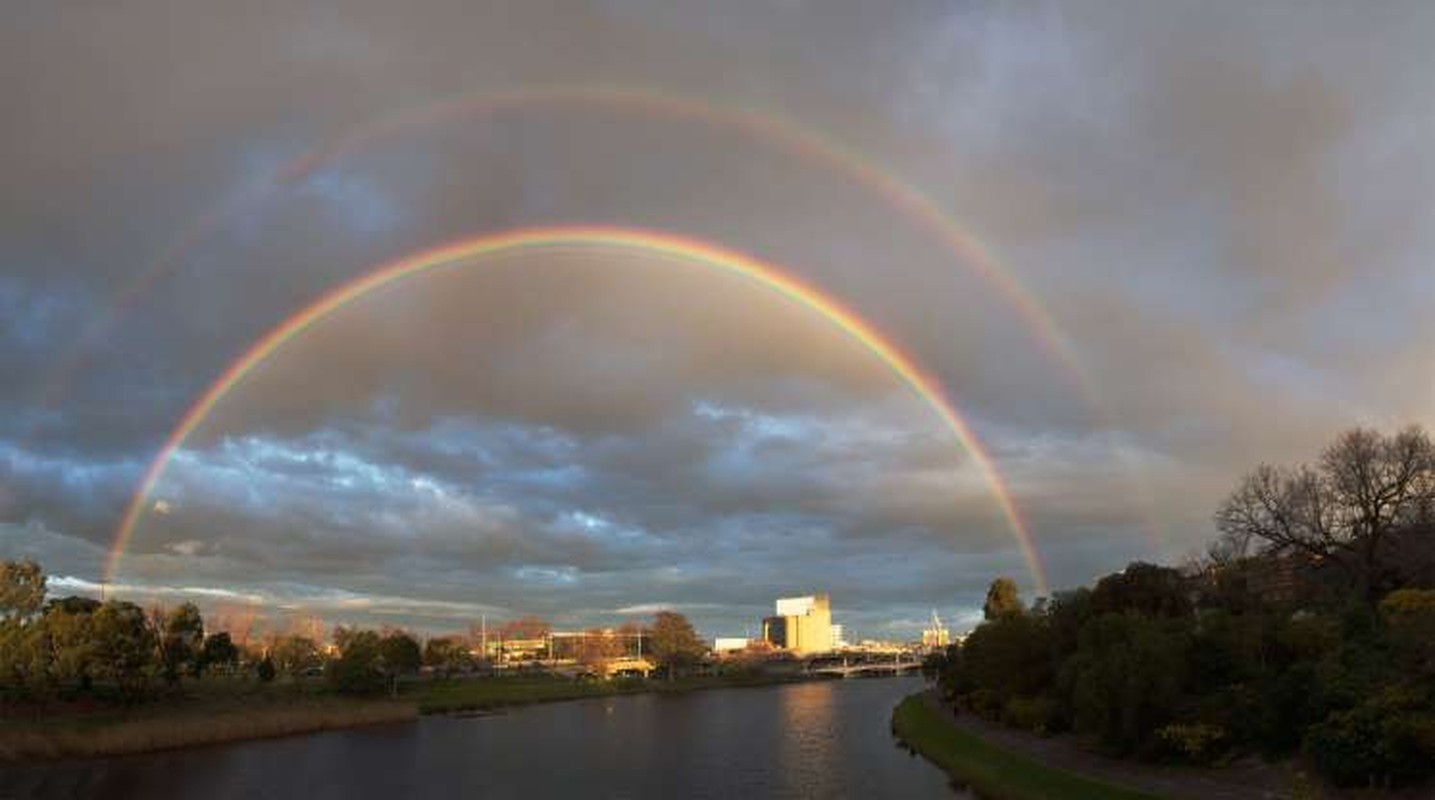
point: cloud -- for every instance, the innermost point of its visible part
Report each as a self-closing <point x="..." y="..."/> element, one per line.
<point x="1227" y="214"/>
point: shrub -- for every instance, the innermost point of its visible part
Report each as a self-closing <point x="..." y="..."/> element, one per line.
<point x="1384" y="742"/>
<point x="1196" y="742"/>
<point x="1028" y="713"/>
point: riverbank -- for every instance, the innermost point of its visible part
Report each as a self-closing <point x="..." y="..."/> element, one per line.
<point x="990" y="771"/>
<point x="218" y="711"/>
<point x="171" y="725"/>
<point x="983" y="753"/>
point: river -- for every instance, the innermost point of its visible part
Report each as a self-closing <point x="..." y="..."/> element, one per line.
<point x="828" y="739"/>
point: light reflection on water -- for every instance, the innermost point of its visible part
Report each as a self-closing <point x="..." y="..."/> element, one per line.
<point x="821" y="740"/>
<point x="809" y="748"/>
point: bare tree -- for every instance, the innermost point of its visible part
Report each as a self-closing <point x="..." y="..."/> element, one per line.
<point x="1365" y="487"/>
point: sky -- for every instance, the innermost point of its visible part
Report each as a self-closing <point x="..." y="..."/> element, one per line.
<point x="1141" y="247"/>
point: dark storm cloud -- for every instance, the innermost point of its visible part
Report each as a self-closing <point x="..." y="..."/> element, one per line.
<point x="1228" y="213"/>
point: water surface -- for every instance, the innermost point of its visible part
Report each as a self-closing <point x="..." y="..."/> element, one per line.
<point x="828" y="740"/>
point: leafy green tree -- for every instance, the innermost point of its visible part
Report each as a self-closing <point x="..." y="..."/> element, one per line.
<point x="1006" y="658"/>
<point x="1002" y="599"/>
<point x="179" y="635"/>
<point x="23" y="653"/>
<point x="23" y="661"/>
<point x="1066" y="613"/>
<point x="265" y="670"/>
<point x="1142" y="587"/>
<point x="358" y="669"/>
<point x="1126" y="679"/>
<point x="447" y="654"/>
<point x="675" y="643"/>
<point x="1409" y="615"/>
<point x="124" y="647"/>
<point x="73" y="605"/>
<point x="70" y="635"/>
<point x="399" y="654"/>
<point x="22" y="590"/>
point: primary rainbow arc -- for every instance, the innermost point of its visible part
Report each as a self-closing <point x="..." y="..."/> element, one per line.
<point x="642" y="241"/>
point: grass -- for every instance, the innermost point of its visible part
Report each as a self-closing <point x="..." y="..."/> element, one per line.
<point x="991" y="771"/>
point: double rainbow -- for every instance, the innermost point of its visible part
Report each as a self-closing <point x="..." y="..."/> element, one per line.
<point x="649" y="243"/>
<point x="778" y="134"/>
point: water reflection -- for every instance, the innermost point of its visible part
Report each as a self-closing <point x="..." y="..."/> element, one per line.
<point x="828" y="740"/>
<point x="809" y="752"/>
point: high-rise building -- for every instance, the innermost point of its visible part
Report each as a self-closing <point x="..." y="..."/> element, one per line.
<point x="937" y="636"/>
<point x="839" y="636"/>
<point x="802" y="625"/>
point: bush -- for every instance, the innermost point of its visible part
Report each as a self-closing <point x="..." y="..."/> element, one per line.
<point x="1196" y="742"/>
<point x="1384" y="742"/>
<point x="1028" y="713"/>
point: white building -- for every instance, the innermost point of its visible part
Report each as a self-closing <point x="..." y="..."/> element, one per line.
<point x="729" y="644"/>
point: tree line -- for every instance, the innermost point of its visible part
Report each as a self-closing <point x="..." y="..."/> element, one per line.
<point x="1307" y="629"/>
<point x="74" y="648"/>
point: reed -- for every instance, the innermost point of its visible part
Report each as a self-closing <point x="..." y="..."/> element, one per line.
<point x="168" y="731"/>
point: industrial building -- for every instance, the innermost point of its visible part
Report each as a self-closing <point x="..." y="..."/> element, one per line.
<point x="802" y="625"/>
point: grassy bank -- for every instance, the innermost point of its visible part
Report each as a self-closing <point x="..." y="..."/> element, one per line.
<point x="994" y="772"/>
<point x="170" y="725"/>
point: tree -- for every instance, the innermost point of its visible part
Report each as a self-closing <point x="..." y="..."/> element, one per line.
<point x="597" y="647"/>
<point x="1007" y="657"/>
<point x="447" y="654"/>
<point x="1365" y="487"/>
<point x="218" y="650"/>
<point x="73" y="605"/>
<point x="1002" y="599"/>
<point x="1126" y="679"/>
<point x="294" y="654"/>
<point x="124" y="647"/>
<point x="22" y="590"/>
<point x="1147" y="588"/>
<point x="69" y="631"/>
<point x="181" y="635"/>
<point x="398" y="654"/>
<point x="1410" y="617"/>
<point x="357" y="669"/>
<point x="23" y="654"/>
<point x="525" y="628"/>
<point x="675" y="643"/>
<point x="265" y="670"/>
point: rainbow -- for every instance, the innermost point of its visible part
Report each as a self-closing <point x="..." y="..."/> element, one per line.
<point x="783" y="136"/>
<point x="652" y="243"/>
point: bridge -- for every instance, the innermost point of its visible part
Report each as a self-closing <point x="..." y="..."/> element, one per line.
<point x="865" y="668"/>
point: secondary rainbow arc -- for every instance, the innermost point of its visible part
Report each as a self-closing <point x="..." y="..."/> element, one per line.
<point x="774" y="131"/>
<point x="694" y="251"/>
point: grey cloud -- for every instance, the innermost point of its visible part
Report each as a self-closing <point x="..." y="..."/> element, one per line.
<point x="1226" y="211"/>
